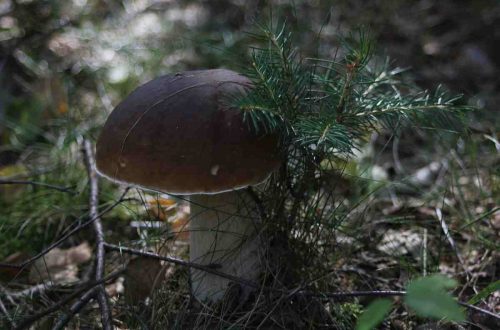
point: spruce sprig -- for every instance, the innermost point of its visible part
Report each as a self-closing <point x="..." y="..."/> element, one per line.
<point x="321" y="109"/>
<point x="325" y="107"/>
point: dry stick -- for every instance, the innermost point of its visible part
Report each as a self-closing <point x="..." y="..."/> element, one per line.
<point x="7" y="295"/>
<point x="4" y="310"/>
<point x="41" y="184"/>
<point x="102" y="297"/>
<point x="451" y="241"/>
<point x="32" y="291"/>
<point x="40" y="288"/>
<point x="325" y="295"/>
<point x="75" y="308"/>
<point x="479" y="309"/>
<point x="180" y="262"/>
<point x="211" y="270"/>
<point x="26" y="323"/>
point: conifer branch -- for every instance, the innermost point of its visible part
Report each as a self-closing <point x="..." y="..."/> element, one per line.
<point x="326" y="110"/>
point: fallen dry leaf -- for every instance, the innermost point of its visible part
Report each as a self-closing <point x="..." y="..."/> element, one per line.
<point x="398" y="243"/>
<point x="60" y="265"/>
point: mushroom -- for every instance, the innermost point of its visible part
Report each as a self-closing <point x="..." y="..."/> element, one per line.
<point x="178" y="134"/>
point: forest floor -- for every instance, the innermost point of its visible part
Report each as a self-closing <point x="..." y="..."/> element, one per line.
<point x="420" y="203"/>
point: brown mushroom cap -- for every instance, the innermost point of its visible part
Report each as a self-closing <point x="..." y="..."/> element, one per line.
<point x="177" y="134"/>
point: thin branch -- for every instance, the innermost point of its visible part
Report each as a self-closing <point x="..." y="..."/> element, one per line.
<point x="177" y="261"/>
<point x="480" y="310"/>
<point x="26" y="323"/>
<point x="451" y="241"/>
<point x="4" y="310"/>
<point x="323" y="295"/>
<point x="102" y="297"/>
<point x="75" y="308"/>
<point x="7" y="295"/>
<point x="351" y="294"/>
<point x="41" y="184"/>
<point x="32" y="291"/>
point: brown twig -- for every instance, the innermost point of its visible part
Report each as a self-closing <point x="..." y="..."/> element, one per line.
<point x="321" y="295"/>
<point x="7" y="295"/>
<point x="480" y="310"/>
<point x="75" y="308"/>
<point x="35" y="183"/>
<point x="27" y="322"/>
<point x="30" y="292"/>
<point x="102" y="297"/>
<point x="5" y="312"/>
<point x="177" y="261"/>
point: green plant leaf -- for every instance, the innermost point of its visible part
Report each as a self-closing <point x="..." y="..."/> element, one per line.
<point x="495" y="286"/>
<point x="374" y="314"/>
<point x="427" y="296"/>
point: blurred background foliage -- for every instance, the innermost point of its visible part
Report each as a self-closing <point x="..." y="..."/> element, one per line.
<point x="64" y="65"/>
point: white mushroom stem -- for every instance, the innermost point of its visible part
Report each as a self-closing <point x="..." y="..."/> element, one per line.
<point x="223" y="229"/>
